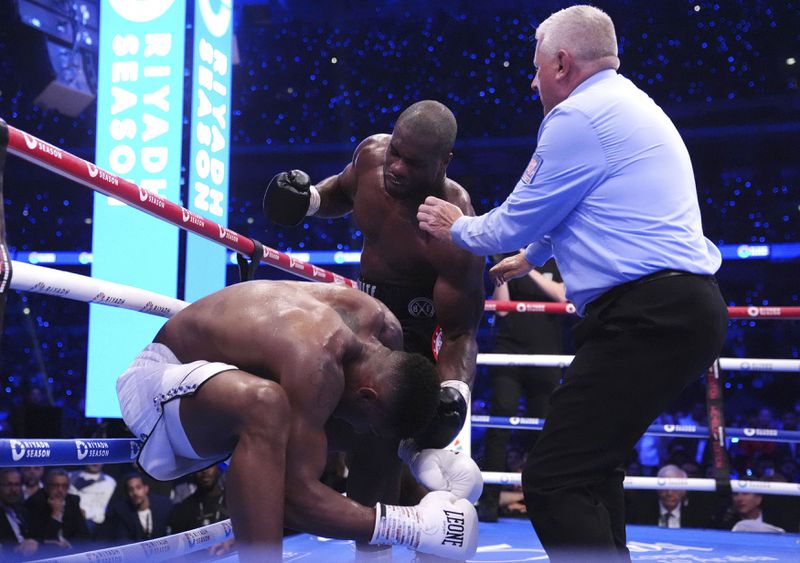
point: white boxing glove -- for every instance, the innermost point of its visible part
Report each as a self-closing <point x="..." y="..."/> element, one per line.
<point x="443" y="470"/>
<point x="440" y="524"/>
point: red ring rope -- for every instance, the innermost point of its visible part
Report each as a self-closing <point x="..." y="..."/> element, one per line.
<point x="84" y="172"/>
<point x="748" y="312"/>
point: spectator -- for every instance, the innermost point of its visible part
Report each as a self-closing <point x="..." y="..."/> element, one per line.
<point x="748" y="515"/>
<point x="205" y="506"/>
<point x="633" y="466"/>
<point x="766" y="419"/>
<point x="95" y="488"/>
<point x="677" y="453"/>
<point x="55" y="515"/>
<point x="511" y="500"/>
<point x="789" y="469"/>
<point x="15" y="535"/>
<point x="692" y="470"/>
<point x="753" y="452"/>
<point x="140" y="516"/>
<point x="31" y="480"/>
<point x="697" y="416"/>
<point x="652" y="450"/>
<point x="182" y="488"/>
<point x="521" y="334"/>
<point x="783" y="511"/>
<point x="667" y="508"/>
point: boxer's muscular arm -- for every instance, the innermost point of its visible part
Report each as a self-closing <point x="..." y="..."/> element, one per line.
<point x="374" y="470"/>
<point x="387" y="328"/>
<point x="338" y="192"/>
<point x="312" y="507"/>
<point x="459" y="307"/>
<point x="458" y="296"/>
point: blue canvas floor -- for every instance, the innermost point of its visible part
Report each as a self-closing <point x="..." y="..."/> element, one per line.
<point x="512" y="540"/>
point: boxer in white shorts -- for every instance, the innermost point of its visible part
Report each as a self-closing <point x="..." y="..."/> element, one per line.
<point x="149" y="394"/>
<point x="273" y="374"/>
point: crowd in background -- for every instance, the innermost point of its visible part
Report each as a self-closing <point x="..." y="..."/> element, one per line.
<point x="51" y="512"/>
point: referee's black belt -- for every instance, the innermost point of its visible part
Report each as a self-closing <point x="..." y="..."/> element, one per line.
<point x="617" y="291"/>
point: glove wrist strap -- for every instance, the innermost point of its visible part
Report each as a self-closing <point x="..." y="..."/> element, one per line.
<point x="396" y="525"/>
<point x="459" y="386"/>
<point x="314" y="202"/>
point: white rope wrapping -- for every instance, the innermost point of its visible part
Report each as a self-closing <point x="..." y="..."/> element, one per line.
<point x="47" y="281"/>
<point x="158" y="549"/>
<point x="674" y="483"/>
<point x="562" y="361"/>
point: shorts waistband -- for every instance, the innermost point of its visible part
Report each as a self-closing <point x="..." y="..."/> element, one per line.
<point x="406" y="302"/>
<point x="617" y="291"/>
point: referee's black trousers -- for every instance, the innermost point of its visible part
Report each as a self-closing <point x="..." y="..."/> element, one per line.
<point x="637" y="347"/>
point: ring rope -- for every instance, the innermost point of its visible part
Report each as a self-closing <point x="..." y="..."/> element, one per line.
<point x="158" y="549"/>
<point x="562" y="361"/>
<point x="673" y="483"/>
<point x="669" y="430"/>
<point x="65" y="164"/>
<point x="737" y="312"/>
<point x="21" y="452"/>
<point x="54" y="452"/>
<point x="48" y="281"/>
<point x="83" y="172"/>
<point x="68" y="285"/>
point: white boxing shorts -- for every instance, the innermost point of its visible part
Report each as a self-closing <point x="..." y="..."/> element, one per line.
<point x="149" y="394"/>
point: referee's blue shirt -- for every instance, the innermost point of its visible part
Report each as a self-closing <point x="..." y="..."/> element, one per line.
<point x="609" y="193"/>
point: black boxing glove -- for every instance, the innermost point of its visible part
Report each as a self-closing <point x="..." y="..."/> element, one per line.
<point x="289" y="198"/>
<point x="450" y="416"/>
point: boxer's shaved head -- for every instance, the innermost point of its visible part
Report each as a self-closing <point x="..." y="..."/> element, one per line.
<point x="433" y="122"/>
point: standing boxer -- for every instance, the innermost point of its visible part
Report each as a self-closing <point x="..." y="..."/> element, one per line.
<point x="422" y="280"/>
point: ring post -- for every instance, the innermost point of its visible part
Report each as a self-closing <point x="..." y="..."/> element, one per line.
<point x="716" y="428"/>
<point x="5" y="261"/>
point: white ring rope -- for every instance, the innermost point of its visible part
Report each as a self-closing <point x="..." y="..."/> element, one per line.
<point x="660" y="483"/>
<point x="159" y="549"/>
<point x="562" y="361"/>
<point x="47" y="281"/>
<point x="83" y="172"/>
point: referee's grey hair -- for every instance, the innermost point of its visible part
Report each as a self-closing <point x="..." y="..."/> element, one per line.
<point x="586" y="32"/>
